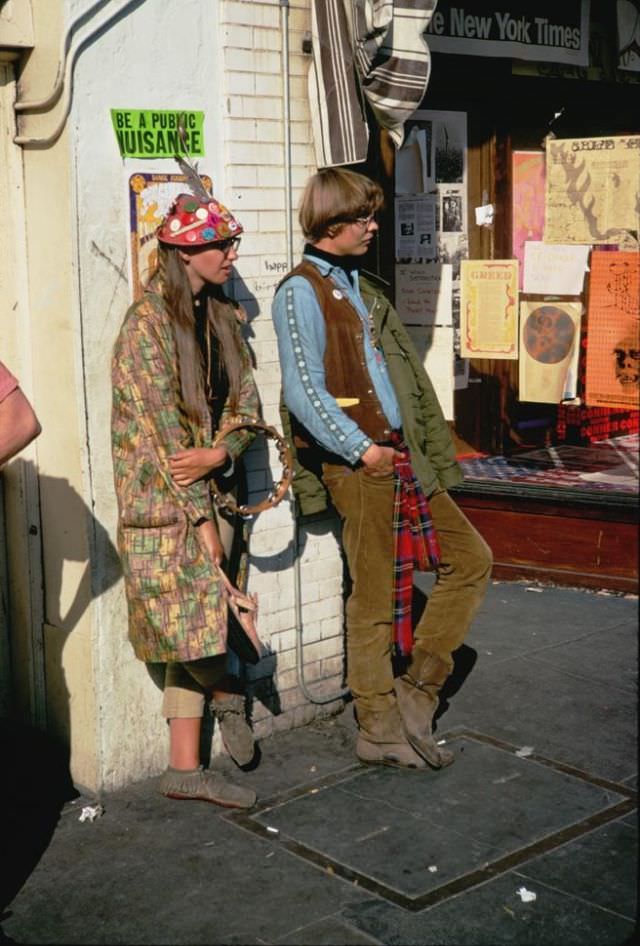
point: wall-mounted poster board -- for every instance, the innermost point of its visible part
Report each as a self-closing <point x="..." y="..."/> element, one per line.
<point x="431" y="192"/>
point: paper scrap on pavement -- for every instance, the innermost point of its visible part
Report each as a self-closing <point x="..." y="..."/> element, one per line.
<point x="525" y="751"/>
<point x="91" y="812"/>
<point x="527" y="896"/>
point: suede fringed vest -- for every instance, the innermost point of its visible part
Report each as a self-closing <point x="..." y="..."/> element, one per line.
<point x="347" y="378"/>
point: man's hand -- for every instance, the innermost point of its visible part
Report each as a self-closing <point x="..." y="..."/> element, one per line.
<point x="378" y="461"/>
<point x="210" y="540"/>
<point x="187" y="466"/>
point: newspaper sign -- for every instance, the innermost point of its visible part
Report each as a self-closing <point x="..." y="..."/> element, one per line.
<point x="545" y="31"/>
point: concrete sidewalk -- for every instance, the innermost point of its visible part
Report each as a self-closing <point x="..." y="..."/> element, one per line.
<point x="530" y="838"/>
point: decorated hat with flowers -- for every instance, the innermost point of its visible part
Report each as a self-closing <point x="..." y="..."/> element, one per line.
<point x="194" y="221"/>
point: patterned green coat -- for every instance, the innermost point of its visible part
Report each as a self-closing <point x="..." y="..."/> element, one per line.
<point x="176" y="609"/>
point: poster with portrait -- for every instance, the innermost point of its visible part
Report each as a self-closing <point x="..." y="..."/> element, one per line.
<point x="549" y="341"/>
<point x="613" y="345"/>
<point x="150" y="196"/>
<point x="453" y="207"/>
<point x="415" y="227"/>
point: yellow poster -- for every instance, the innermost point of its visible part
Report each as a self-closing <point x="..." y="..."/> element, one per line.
<point x="613" y="339"/>
<point x="549" y="338"/>
<point x="593" y="190"/>
<point x="488" y="308"/>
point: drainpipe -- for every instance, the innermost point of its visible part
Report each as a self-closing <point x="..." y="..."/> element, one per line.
<point x="63" y="85"/>
<point x="288" y="190"/>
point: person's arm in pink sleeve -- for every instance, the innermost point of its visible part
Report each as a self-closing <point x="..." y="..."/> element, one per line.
<point x="18" y="424"/>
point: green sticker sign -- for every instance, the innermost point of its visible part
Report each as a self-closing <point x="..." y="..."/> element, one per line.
<point x="154" y="134"/>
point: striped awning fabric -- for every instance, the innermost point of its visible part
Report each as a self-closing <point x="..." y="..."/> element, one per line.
<point x="340" y="131"/>
<point x="384" y="40"/>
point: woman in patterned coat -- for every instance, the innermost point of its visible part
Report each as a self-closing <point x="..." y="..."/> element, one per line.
<point x="180" y="372"/>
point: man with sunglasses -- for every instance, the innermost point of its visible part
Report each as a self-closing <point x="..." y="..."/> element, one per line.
<point x="369" y="435"/>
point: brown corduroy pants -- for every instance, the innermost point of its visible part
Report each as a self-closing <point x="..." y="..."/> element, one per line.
<point x="365" y="506"/>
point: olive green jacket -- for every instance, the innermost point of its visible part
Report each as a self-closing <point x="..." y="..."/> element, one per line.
<point x="425" y="429"/>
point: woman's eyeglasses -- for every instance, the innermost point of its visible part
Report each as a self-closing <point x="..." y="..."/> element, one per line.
<point x="225" y="246"/>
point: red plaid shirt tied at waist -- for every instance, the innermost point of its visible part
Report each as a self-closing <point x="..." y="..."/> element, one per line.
<point x="415" y="544"/>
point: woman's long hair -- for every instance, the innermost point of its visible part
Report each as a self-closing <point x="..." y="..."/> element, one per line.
<point x="176" y="291"/>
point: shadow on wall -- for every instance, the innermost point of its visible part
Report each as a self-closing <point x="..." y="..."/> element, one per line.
<point x="319" y="524"/>
<point x="72" y="534"/>
<point x="69" y="542"/>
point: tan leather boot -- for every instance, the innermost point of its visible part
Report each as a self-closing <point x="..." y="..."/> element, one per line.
<point x="418" y="701"/>
<point x="381" y="740"/>
<point x="204" y="785"/>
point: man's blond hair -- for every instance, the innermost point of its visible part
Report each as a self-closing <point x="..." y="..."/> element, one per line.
<point x="334" y="197"/>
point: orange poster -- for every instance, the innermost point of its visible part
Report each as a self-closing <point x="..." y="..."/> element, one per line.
<point x="527" y="172"/>
<point x="613" y="334"/>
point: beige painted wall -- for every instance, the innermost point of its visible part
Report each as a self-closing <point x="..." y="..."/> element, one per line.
<point x="45" y="330"/>
<point x="223" y="57"/>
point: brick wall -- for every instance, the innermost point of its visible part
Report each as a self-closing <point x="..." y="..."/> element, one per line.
<point x="250" y="34"/>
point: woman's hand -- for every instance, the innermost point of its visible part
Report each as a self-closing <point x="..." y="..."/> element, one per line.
<point x="210" y="540"/>
<point x="187" y="466"/>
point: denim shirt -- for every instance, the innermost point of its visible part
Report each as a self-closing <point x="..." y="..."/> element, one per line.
<point x="301" y="334"/>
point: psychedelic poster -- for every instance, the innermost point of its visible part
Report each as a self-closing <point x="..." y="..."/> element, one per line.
<point x="527" y="171"/>
<point x="549" y="342"/>
<point x="613" y="345"/>
<point x="593" y="190"/>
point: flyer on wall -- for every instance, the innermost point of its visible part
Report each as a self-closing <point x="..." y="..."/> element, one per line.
<point x="488" y="309"/>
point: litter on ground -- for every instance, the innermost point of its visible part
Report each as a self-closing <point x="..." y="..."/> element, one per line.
<point x="527" y="896"/>
<point x="91" y="812"/>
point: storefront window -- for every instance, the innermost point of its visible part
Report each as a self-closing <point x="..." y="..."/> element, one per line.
<point x="515" y="220"/>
